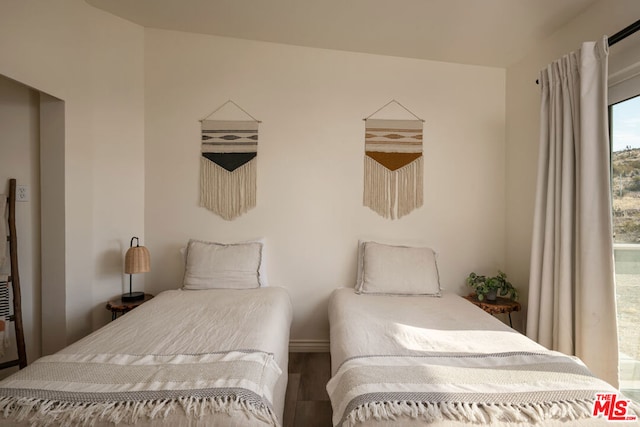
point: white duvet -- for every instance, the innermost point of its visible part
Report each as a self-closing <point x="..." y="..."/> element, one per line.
<point x="418" y="360"/>
<point x="205" y="357"/>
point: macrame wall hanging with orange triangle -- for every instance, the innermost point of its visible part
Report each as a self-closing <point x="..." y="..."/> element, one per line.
<point x="228" y="164"/>
<point x="393" y="164"/>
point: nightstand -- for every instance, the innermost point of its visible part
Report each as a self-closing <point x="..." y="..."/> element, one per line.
<point x="501" y="305"/>
<point x="117" y="306"/>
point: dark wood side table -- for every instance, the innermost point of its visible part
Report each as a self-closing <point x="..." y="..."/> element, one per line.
<point x="117" y="306"/>
<point x="501" y="305"/>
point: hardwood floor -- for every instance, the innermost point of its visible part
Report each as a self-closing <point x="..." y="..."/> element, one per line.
<point x="306" y="402"/>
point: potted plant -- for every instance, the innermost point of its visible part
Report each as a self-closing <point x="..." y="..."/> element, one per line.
<point x="490" y="287"/>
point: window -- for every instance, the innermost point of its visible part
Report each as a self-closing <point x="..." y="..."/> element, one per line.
<point x="625" y="177"/>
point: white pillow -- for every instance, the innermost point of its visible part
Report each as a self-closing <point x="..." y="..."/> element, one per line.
<point x="400" y="270"/>
<point x="262" y="271"/>
<point x="211" y="265"/>
<point x="360" y="265"/>
<point x="360" y="260"/>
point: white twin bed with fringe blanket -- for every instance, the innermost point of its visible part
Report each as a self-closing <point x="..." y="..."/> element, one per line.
<point x="185" y="358"/>
<point x="429" y="360"/>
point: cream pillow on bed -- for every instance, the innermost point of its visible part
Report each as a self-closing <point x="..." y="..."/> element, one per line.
<point x="262" y="271"/>
<point x="401" y="270"/>
<point x="211" y="265"/>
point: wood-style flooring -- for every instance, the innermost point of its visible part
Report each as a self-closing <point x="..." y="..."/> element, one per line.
<point x="306" y="402"/>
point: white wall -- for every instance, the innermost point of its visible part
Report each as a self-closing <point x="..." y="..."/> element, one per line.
<point x="310" y="160"/>
<point x="523" y="103"/>
<point x="52" y="226"/>
<point x="94" y="62"/>
<point x="19" y="159"/>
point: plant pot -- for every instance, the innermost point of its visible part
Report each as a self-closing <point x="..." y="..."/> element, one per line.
<point x="491" y="295"/>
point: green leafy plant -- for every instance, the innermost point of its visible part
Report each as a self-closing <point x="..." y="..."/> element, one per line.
<point x="484" y="285"/>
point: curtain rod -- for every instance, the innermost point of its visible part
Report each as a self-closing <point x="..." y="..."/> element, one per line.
<point x="620" y="35"/>
<point x="624" y="33"/>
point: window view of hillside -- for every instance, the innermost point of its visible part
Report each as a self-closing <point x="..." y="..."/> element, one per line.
<point x="625" y="188"/>
<point x="626" y="195"/>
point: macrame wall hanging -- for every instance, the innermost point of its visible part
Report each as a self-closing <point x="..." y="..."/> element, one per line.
<point x="228" y="164"/>
<point x="393" y="165"/>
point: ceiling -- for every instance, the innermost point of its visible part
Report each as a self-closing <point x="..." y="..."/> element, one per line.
<point x="482" y="32"/>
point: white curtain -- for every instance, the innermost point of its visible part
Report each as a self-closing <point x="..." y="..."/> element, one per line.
<point x="572" y="305"/>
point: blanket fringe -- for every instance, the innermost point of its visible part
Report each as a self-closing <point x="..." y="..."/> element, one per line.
<point x="43" y="413"/>
<point x="477" y="413"/>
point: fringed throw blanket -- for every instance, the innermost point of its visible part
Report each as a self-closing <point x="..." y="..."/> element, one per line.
<point x="81" y="389"/>
<point x="5" y="314"/>
<point x="3" y="230"/>
<point x="393" y="167"/>
<point x="228" y="166"/>
<point x="519" y="387"/>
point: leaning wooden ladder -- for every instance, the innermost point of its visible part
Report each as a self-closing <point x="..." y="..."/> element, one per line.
<point x="14" y="279"/>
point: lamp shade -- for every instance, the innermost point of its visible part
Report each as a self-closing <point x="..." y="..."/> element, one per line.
<point x="137" y="260"/>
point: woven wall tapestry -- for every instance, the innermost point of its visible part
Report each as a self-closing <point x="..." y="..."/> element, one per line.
<point x="393" y="165"/>
<point x="228" y="165"/>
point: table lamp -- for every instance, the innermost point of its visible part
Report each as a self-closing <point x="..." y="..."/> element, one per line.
<point x="136" y="260"/>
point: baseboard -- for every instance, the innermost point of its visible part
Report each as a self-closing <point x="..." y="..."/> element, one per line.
<point x="309" y="346"/>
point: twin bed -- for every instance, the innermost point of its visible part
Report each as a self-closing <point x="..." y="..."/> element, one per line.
<point x="414" y="361"/>
<point x="402" y="353"/>
<point x="203" y="355"/>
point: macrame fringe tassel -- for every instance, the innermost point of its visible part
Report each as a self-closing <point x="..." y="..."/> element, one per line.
<point x="43" y="413"/>
<point x="393" y="194"/>
<point x="525" y="414"/>
<point x="228" y="194"/>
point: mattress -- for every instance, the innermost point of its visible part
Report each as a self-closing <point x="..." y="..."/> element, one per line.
<point x="185" y="358"/>
<point x="421" y="360"/>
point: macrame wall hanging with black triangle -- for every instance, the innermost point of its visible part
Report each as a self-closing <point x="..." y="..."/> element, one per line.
<point x="228" y="164"/>
<point x="393" y="164"/>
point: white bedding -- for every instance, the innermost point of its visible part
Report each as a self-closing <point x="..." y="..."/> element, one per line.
<point x="421" y="360"/>
<point x="219" y="354"/>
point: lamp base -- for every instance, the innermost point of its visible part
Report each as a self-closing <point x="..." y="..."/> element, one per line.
<point x="132" y="296"/>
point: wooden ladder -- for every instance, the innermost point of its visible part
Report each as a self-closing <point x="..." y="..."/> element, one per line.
<point x="14" y="279"/>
